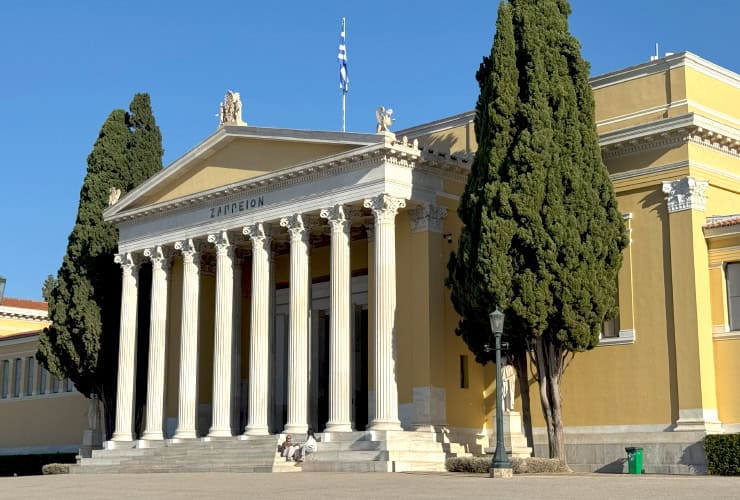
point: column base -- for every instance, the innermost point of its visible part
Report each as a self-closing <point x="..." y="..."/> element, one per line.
<point x="385" y="425"/>
<point x="122" y="437"/>
<point x="295" y="429"/>
<point x="150" y="443"/>
<point x="152" y="436"/>
<point x="219" y="433"/>
<point x="117" y="445"/>
<point x="338" y="427"/>
<point x="183" y="434"/>
<point x="699" y="419"/>
<point x="254" y="430"/>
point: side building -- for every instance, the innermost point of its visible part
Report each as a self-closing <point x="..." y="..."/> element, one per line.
<point x="38" y="413"/>
<point x="298" y="281"/>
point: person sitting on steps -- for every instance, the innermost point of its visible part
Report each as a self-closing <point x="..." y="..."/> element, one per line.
<point x="306" y="448"/>
<point x="287" y="449"/>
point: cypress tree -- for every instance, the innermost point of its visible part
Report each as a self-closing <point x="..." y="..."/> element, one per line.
<point x="542" y="233"/>
<point x="84" y="304"/>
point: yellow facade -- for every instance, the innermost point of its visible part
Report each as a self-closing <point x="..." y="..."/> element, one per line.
<point x="37" y="413"/>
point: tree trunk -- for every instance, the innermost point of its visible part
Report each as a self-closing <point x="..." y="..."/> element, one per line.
<point x="521" y="363"/>
<point x="557" y="446"/>
<point x="543" y="374"/>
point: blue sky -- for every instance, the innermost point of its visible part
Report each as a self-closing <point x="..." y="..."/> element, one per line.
<point x="64" y="66"/>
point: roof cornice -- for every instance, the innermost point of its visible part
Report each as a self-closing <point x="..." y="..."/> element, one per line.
<point x="671" y="132"/>
<point x="23" y="313"/>
<point x="664" y="64"/>
<point x="438" y="125"/>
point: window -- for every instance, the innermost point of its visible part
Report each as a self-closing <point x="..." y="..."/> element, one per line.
<point x="6" y="378"/>
<point x="18" y="375"/>
<point x="54" y="385"/>
<point x="464" y="381"/>
<point x="611" y="327"/>
<point x="43" y="379"/>
<point x="29" y="377"/>
<point x="733" y="294"/>
<point x="69" y="387"/>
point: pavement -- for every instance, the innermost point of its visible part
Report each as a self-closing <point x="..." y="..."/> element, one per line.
<point x="356" y="486"/>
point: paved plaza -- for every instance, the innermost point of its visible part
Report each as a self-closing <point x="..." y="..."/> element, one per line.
<point x="361" y="486"/>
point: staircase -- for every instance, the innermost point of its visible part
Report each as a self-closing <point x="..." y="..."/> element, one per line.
<point x="377" y="451"/>
<point x="254" y="454"/>
<point x="367" y="451"/>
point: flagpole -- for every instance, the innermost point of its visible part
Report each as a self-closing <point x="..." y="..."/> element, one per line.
<point x="344" y="93"/>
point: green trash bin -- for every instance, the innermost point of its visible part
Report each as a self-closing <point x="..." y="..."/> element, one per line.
<point x="634" y="460"/>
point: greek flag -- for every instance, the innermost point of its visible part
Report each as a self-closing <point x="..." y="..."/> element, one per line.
<point x="342" y="57"/>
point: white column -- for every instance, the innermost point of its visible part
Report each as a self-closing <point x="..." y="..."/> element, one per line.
<point x="160" y="258"/>
<point x="385" y="208"/>
<point x="236" y="370"/>
<point x="259" y="330"/>
<point x="340" y="326"/>
<point x="127" y="349"/>
<point x="224" y="334"/>
<point x="298" y="326"/>
<point x="188" y="402"/>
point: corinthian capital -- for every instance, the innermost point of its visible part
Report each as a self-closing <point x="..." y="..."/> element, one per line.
<point x="338" y="218"/>
<point x="685" y="194"/>
<point x="259" y="234"/>
<point x="384" y="206"/>
<point x="129" y="261"/>
<point x="160" y="257"/>
<point x="190" y="251"/>
<point x="221" y="240"/>
<point x="297" y="227"/>
<point x="427" y="217"/>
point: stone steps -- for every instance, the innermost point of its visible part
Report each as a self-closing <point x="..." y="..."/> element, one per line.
<point x="337" y="452"/>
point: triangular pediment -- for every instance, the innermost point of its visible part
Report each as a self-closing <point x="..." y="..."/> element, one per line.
<point x="235" y="154"/>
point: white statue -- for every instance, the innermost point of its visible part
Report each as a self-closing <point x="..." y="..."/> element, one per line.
<point x="115" y="193"/>
<point x="93" y="413"/>
<point x="508" y="382"/>
<point x="383" y="116"/>
<point x="230" y="111"/>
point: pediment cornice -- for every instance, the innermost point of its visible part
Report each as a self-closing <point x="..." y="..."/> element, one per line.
<point x="390" y="151"/>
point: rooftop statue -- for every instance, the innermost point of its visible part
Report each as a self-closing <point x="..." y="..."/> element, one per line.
<point x="230" y="112"/>
<point x="115" y="193"/>
<point x="384" y="119"/>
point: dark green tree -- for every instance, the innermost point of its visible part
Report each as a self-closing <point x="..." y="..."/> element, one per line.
<point x="47" y="287"/>
<point x="542" y="234"/>
<point x="84" y="304"/>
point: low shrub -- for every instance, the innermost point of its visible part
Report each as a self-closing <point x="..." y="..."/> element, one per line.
<point x="723" y="454"/>
<point x="55" y="469"/>
<point x="31" y="465"/>
<point x="531" y="465"/>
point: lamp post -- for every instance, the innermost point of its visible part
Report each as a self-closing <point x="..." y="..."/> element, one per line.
<point x="2" y="288"/>
<point x="500" y="465"/>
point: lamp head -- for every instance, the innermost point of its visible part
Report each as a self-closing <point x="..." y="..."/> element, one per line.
<point x="497" y="321"/>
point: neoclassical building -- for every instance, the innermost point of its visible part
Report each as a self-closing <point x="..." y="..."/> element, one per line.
<point x="38" y="413"/>
<point x="298" y="281"/>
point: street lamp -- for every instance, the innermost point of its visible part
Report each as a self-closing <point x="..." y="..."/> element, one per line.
<point x="500" y="465"/>
<point x="2" y="288"/>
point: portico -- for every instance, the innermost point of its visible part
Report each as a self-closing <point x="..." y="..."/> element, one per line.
<point x="337" y="192"/>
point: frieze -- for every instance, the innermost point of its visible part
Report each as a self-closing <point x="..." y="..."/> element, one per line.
<point x="236" y="207"/>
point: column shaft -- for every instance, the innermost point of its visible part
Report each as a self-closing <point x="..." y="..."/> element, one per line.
<point x="188" y="402"/>
<point x="127" y="349"/>
<point x="340" y="328"/>
<point x="157" y="344"/>
<point x="223" y="332"/>
<point x="259" y="331"/>
<point x="298" y="325"/>
<point x="385" y="208"/>
<point x="236" y="373"/>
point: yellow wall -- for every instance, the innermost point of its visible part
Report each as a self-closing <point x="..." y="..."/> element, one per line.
<point x="726" y="356"/>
